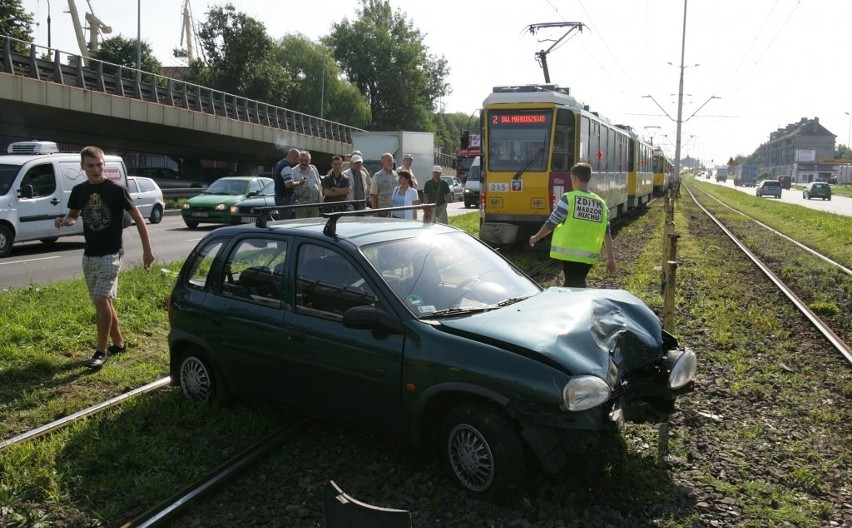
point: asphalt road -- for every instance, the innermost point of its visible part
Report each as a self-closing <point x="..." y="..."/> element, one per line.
<point x="841" y="205"/>
<point x="35" y="263"/>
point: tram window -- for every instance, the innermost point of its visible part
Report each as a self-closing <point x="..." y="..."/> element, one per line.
<point x="583" y="143"/>
<point x="563" y="141"/>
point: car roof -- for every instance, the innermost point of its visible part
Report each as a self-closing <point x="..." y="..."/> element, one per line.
<point x="244" y="178"/>
<point x="357" y="230"/>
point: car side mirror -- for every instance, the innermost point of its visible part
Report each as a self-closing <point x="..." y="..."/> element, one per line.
<point x="26" y="191"/>
<point x="251" y="193"/>
<point x="371" y="318"/>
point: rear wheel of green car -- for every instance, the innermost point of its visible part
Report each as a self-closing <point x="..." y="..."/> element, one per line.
<point x="199" y="380"/>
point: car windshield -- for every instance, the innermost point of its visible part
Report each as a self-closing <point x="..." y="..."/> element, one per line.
<point x="448" y="274"/>
<point x="229" y="187"/>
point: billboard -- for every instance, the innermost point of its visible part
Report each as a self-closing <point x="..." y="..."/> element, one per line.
<point x="806" y="155"/>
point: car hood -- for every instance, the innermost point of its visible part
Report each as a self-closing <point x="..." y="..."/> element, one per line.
<point x="582" y="330"/>
<point x="210" y="200"/>
<point x="259" y="201"/>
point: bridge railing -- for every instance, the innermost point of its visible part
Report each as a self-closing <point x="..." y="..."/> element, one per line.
<point x="123" y="81"/>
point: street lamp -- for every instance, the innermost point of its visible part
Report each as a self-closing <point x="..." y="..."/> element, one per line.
<point x="48" y="25"/>
<point x="138" y="41"/>
<point x="848" y="134"/>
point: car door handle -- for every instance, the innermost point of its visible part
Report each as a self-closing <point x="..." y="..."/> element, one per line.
<point x="54" y="201"/>
<point x="294" y="334"/>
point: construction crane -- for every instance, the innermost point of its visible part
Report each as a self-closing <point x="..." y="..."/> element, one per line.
<point x="95" y="26"/>
<point x="187" y="32"/>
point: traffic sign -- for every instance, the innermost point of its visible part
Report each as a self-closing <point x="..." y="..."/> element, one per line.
<point x="732" y="162"/>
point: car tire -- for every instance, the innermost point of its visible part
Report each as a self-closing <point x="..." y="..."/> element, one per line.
<point x="6" y="241"/>
<point x="156" y="215"/>
<point x="48" y="241"/>
<point x="191" y="225"/>
<point x="482" y="451"/>
<point x="199" y="381"/>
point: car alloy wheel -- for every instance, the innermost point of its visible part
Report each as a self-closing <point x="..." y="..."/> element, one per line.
<point x="198" y="380"/>
<point x="482" y="451"/>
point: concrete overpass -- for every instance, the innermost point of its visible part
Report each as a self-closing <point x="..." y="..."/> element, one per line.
<point x="123" y="109"/>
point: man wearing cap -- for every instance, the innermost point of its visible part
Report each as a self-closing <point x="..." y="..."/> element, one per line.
<point x="407" y="160"/>
<point x="358" y="185"/>
<point x="437" y="191"/>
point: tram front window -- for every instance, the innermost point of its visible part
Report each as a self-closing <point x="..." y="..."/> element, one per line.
<point x="518" y="137"/>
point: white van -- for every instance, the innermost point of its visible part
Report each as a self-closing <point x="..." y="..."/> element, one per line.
<point x="473" y="184"/>
<point x="35" y="183"/>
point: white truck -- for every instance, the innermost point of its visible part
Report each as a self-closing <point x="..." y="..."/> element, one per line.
<point x="35" y="182"/>
<point x="421" y="145"/>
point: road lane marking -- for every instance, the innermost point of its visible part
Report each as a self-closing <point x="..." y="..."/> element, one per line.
<point x="28" y="260"/>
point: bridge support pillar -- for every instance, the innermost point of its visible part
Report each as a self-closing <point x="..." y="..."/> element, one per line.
<point x="247" y="168"/>
<point x="192" y="169"/>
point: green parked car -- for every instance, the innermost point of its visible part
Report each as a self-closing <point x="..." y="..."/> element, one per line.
<point x="213" y="206"/>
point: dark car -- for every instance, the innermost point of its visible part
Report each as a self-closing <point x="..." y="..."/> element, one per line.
<point x="424" y="331"/>
<point x="245" y="211"/>
<point x="166" y="178"/>
<point x="768" y="188"/>
<point x="817" y="190"/>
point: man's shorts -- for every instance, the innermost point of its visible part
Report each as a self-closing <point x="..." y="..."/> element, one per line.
<point x="102" y="275"/>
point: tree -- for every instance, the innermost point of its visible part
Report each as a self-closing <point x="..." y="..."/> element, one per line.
<point x="317" y="85"/>
<point x="448" y="129"/>
<point x="122" y="51"/>
<point x="238" y="58"/>
<point x="16" y="23"/>
<point x="383" y="54"/>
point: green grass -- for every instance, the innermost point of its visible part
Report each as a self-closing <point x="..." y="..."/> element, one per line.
<point x="829" y="234"/>
<point x="137" y="454"/>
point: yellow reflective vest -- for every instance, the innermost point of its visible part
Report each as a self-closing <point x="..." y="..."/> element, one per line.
<point x="580" y="237"/>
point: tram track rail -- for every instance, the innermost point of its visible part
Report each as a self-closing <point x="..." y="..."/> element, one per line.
<point x="84" y="413"/>
<point x="821" y="326"/>
<point x="162" y="513"/>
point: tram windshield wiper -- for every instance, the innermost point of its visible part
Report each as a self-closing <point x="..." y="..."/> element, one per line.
<point x="528" y="164"/>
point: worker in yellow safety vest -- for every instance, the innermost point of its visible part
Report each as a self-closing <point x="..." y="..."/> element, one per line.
<point x="580" y="226"/>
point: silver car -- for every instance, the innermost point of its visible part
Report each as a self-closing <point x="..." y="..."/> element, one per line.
<point x="147" y="197"/>
<point x="456" y="188"/>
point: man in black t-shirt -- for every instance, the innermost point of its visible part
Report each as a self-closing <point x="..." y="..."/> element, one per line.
<point x="101" y="204"/>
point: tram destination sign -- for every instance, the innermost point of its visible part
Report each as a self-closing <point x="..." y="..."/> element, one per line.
<point x="519" y="119"/>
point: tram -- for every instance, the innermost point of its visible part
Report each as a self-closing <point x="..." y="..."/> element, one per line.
<point x="533" y="134"/>
<point x="662" y="170"/>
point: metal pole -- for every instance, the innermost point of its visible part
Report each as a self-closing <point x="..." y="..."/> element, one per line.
<point x="48" y="25"/>
<point x="138" y="41"/>
<point x="676" y="175"/>
<point x="848" y="134"/>
<point x="322" y="91"/>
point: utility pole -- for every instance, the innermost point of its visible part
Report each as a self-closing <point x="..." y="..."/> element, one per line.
<point x="541" y="56"/>
<point x="676" y="175"/>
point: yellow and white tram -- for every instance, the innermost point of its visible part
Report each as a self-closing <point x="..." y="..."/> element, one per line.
<point x="533" y="134"/>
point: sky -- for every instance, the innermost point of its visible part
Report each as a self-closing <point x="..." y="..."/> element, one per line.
<point x="749" y="66"/>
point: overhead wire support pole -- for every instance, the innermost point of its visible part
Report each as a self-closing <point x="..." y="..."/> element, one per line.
<point x="541" y="56"/>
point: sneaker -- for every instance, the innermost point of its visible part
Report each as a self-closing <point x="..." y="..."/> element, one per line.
<point x="97" y="360"/>
<point x="113" y="349"/>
